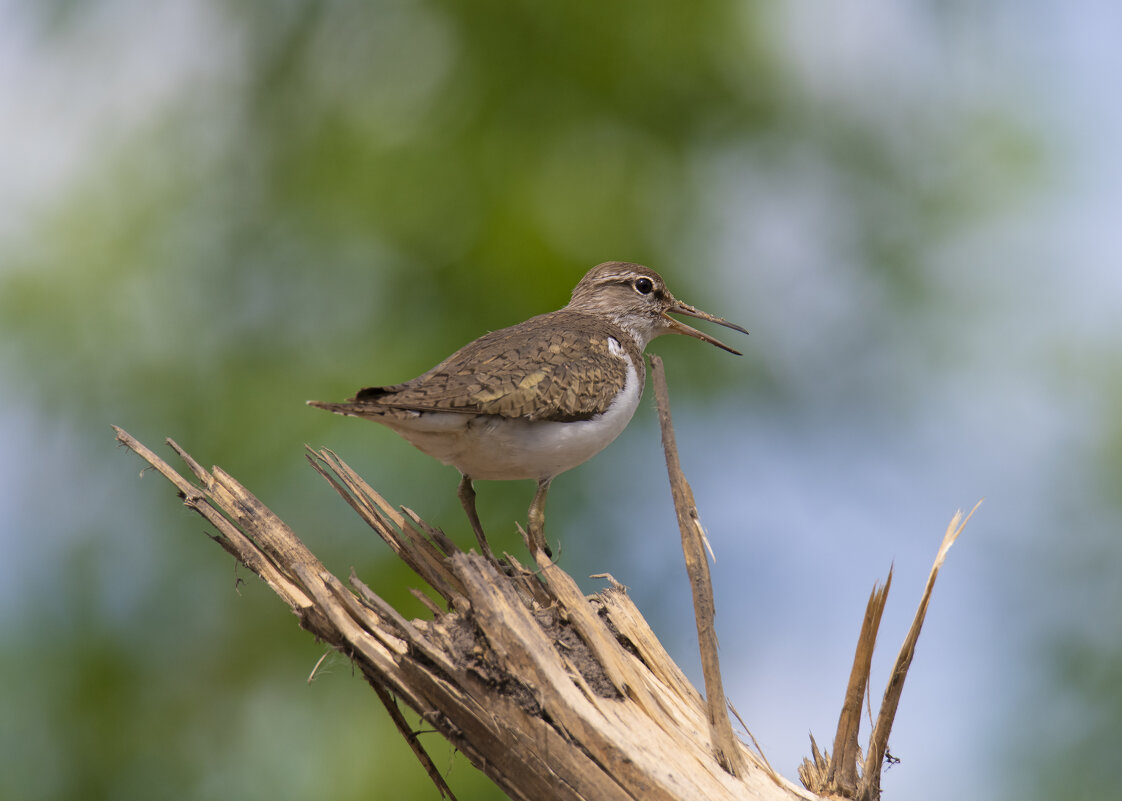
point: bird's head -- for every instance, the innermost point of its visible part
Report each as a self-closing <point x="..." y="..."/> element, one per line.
<point x="636" y="299"/>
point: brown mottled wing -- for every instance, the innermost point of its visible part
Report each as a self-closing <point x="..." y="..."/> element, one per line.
<point x="528" y="370"/>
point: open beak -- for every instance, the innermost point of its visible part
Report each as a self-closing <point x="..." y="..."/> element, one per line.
<point x="678" y="327"/>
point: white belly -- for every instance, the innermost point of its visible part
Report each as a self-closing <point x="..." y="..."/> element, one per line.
<point x="492" y="447"/>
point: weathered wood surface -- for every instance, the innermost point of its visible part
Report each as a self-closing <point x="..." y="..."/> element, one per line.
<point x="552" y="694"/>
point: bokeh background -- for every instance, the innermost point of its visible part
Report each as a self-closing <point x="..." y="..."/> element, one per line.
<point x="212" y="210"/>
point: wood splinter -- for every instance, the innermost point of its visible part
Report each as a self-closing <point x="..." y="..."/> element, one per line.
<point x="845" y="774"/>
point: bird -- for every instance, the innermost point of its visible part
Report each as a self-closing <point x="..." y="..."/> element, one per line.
<point x="541" y="397"/>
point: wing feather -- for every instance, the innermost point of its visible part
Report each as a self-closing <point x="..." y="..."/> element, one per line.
<point x="523" y="371"/>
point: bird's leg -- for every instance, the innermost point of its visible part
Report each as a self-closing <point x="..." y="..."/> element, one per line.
<point x="536" y="520"/>
<point x="467" y="500"/>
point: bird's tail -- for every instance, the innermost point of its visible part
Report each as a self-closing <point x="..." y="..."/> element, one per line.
<point x="350" y="409"/>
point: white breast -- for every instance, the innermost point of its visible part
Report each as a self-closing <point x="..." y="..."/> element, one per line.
<point x="492" y="447"/>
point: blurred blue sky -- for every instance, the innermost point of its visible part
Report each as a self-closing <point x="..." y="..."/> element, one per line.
<point x="1003" y="383"/>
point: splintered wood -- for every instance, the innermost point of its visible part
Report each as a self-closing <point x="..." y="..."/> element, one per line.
<point x="552" y="694"/>
<point x="723" y="742"/>
<point x="846" y="774"/>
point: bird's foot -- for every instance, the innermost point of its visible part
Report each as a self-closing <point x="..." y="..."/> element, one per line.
<point x="467" y="500"/>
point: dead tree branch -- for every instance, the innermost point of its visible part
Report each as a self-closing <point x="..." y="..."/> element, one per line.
<point x="724" y="743"/>
<point x="845" y="775"/>
<point x="552" y="694"/>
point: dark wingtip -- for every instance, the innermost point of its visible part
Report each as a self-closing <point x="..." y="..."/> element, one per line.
<point x="368" y="394"/>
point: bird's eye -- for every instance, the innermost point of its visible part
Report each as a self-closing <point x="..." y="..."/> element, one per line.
<point x="644" y="286"/>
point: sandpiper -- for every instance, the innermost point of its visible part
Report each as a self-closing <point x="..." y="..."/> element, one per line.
<point x="540" y="397"/>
